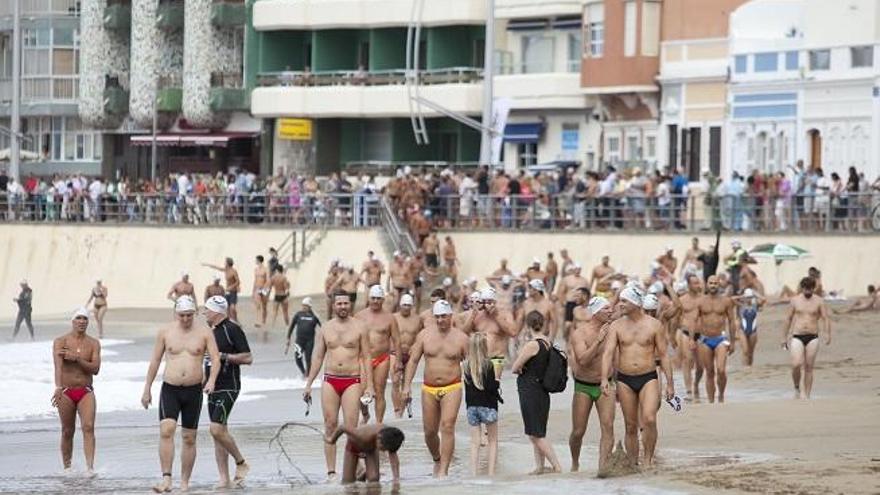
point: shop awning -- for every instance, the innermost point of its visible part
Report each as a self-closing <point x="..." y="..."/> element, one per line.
<point x="523" y="133"/>
<point x="220" y="140"/>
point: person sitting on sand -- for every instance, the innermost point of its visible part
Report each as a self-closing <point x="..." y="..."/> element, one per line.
<point x="865" y="303"/>
<point x="365" y="442"/>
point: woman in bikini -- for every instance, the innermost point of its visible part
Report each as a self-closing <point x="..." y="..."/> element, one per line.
<point x="99" y="296"/>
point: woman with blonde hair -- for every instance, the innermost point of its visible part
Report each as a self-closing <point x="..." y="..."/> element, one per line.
<point x="481" y="398"/>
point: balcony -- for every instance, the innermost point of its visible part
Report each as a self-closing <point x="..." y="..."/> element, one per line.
<point x="169" y="15"/>
<point x="329" y="14"/>
<point x="363" y="94"/>
<point x="115" y="97"/>
<point x="228" y="93"/>
<point x="170" y="94"/>
<point x="228" y="13"/>
<point x="39" y="8"/>
<point x="521" y="9"/>
<point x="117" y="15"/>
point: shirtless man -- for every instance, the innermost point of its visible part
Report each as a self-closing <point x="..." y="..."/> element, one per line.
<point x="499" y="327"/>
<point x="215" y="289"/>
<point x="418" y="270"/>
<point x="399" y="278"/>
<point x="431" y="248"/>
<point x="801" y="337"/>
<point x="384" y="338"/>
<point x="371" y="273"/>
<point x="329" y="284"/>
<point x="601" y="278"/>
<point x="688" y="335"/>
<point x="426" y="317"/>
<point x="637" y="340"/>
<point x="444" y="347"/>
<point x="182" y="287"/>
<point x="409" y="324"/>
<point x="504" y="286"/>
<point x="748" y="279"/>
<point x="718" y="319"/>
<point x="864" y="303"/>
<point x="281" y="299"/>
<point x="552" y="271"/>
<point x="261" y="294"/>
<point x="348" y="282"/>
<point x="668" y="260"/>
<point x="233" y="285"/>
<point x="184" y="344"/>
<point x="534" y="272"/>
<point x="77" y="358"/>
<point x="585" y="347"/>
<point x="566" y="261"/>
<point x="537" y="301"/>
<point x="342" y="348"/>
<point x="692" y="258"/>
<point x="502" y="270"/>
<point x="568" y="294"/>
<point x="450" y="258"/>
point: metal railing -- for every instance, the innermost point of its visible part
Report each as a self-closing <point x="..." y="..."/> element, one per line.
<point x="325" y="210"/>
<point x="229" y="80"/>
<point x="398" y="234"/>
<point x="853" y="213"/>
<point x="450" y="75"/>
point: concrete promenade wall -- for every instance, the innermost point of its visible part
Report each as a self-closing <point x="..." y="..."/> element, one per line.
<point x="848" y="262"/>
<point x="139" y="264"/>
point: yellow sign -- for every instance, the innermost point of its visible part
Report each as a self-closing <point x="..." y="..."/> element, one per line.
<point x="295" y="129"/>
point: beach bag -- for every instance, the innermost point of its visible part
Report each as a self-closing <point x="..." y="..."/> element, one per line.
<point x="556" y="374"/>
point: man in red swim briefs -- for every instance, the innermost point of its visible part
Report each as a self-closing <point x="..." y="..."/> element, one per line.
<point x="343" y="349"/>
<point x="384" y="340"/>
<point x="77" y="359"/>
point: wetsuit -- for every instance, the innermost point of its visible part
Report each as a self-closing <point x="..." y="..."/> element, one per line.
<point x="305" y="323"/>
<point x="230" y="340"/>
<point x="24" y="312"/>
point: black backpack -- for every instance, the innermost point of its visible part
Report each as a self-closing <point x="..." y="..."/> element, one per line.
<point x="556" y="374"/>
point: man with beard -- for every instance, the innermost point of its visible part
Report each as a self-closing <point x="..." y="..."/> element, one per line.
<point x="801" y="336"/>
<point x="537" y="301"/>
<point x="717" y="315"/>
<point x="568" y="291"/>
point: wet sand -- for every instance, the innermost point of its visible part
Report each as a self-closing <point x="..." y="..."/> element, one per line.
<point x="760" y="441"/>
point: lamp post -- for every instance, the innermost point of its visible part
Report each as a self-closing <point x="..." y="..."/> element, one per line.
<point x="15" y="124"/>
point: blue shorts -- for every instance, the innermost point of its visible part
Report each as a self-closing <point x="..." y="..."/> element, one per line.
<point x="477" y="415"/>
<point x="713" y="342"/>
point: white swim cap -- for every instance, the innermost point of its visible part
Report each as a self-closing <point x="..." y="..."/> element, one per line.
<point x="487" y="294"/>
<point x="184" y="304"/>
<point x="680" y="287"/>
<point x="184" y="273"/>
<point x="656" y="288"/>
<point x="217" y="304"/>
<point x="505" y="279"/>
<point x="447" y="282"/>
<point x="470" y="281"/>
<point x="536" y="284"/>
<point x="736" y="244"/>
<point x="749" y="293"/>
<point x="217" y="278"/>
<point x="474" y="297"/>
<point x="536" y="261"/>
<point x="406" y="300"/>
<point x="377" y="291"/>
<point x="307" y="301"/>
<point x="441" y="308"/>
<point x="650" y="302"/>
<point x="655" y="265"/>
<point x="80" y="311"/>
<point x="596" y="304"/>
<point x="616" y="285"/>
<point x="632" y="294"/>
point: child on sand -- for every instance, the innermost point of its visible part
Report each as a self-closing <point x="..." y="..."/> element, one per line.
<point x="365" y="442"/>
<point x="481" y="398"/>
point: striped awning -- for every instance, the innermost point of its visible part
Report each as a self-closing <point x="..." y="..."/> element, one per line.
<point x="523" y="133"/>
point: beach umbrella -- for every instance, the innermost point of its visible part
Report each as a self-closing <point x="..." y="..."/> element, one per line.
<point x="778" y="252"/>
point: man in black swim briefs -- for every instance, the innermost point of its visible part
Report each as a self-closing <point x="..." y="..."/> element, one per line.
<point x="801" y="337"/>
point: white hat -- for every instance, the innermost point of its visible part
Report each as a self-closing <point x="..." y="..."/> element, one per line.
<point x="217" y="278"/>
<point x="184" y="273"/>
<point x="406" y="300"/>
<point x="577" y="266"/>
<point x="487" y="294"/>
<point x="184" y="304"/>
<point x="536" y="261"/>
<point x="447" y="282"/>
<point x="669" y="248"/>
<point x="23" y="281"/>
<point x="616" y="285"/>
<point x="596" y="304"/>
<point x="334" y="262"/>
<point x="656" y="288"/>
<point x="475" y="296"/>
<point x="749" y="292"/>
<point x="632" y="294"/>
<point x="80" y="311"/>
<point x="735" y="243"/>
<point x="377" y="291"/>
<point x="307" y="301"/>
<point x="470" y="281"/>
<point x="217" y="304"/>
<point x="650" y="302"/>
<point x="441" y="308"/>
<point x="506" y="279"/>
<point x="396" y="253"/>
<point x="680" y="287"/>
<point x="571" y="267"/>
<point x="655" y="265"/>
<point x="536" y="284"/>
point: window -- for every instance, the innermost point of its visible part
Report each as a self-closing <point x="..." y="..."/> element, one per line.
<point x="570" y="139"/>
<point x="634" y="152"/>
<point x="574" y="51"/>
<point x="614" y="145"/>
<point x="528" y="154"/>
<point x="63" y="37"/>
<point x="594" y="24"/>
<point x="791" y="60"/>
<point x="651" y="147"/>
<point x="766" y="62"/>
<point x="820" y="59"/>
<point x="630" y="13"/>
<point x="650" y="29"/>
<point x="862" y="56"/>
<point x="740" y="64"/>
<point x="537" y="53"/>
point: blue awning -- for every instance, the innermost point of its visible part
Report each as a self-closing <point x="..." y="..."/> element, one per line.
<point x="523" y="133"/>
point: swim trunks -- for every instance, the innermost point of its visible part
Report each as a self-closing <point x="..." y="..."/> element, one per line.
<point x="183" y="402"/>
<point x="431" y="260"/>
<point x="591" y="390"/>
<point x="378" y="360"/>
<point x="713" y="342"/>
<point x="231" y="298"/>
<point x="263" y="292"/>
<point x="636" y="382"/>
<point x="440" y="391"/>
<point x="281" y="298"/>
<point x="806" y="338"/>
<point x="569" y="310"/>
<point x="687" y="334"/>
<point x="220" y="405"/>
<point x="77" y="394"/>
<point x="341" y="383"/>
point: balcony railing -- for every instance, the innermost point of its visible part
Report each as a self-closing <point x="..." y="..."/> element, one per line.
<point x="227" y="80"/>
<point x="453" y="75"/>
<point x="42" y="7"/>
<point x="543" y="67"/>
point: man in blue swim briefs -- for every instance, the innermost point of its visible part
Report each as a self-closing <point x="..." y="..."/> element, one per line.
<point x="717" y="313"/>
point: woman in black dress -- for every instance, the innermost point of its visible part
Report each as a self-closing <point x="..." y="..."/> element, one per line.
<point x="534" y="401"/>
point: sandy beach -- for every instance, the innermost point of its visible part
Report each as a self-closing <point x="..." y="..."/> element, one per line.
<point x="760" y="441"/>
